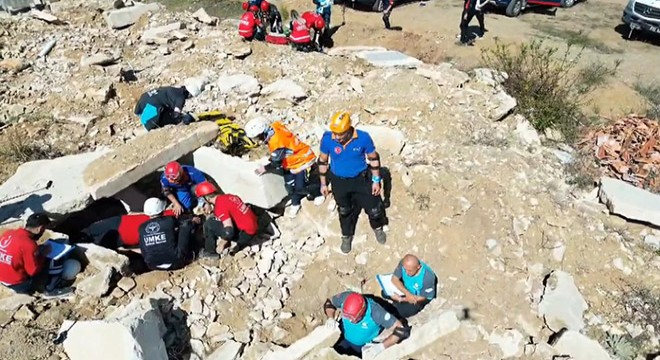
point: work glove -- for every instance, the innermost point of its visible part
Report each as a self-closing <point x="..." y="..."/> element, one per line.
<point x="331" y="324"/>
<point x="371" y="350"/>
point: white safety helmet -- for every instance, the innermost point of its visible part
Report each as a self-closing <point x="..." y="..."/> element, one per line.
<point x="154" y="206"/>
<point x="255" y="127"/>
<point x="70" y="269"/>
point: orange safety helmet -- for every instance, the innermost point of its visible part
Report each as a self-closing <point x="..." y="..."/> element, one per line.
<point x="173" y="171"/>
<point x="340" y="122"/>
<point x="205" y="188"/>
<point x="245" y="6"/>
<point x="265" y="6"/>
<point x="354" y="307"/>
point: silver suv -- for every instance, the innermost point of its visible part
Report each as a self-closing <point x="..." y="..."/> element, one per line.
<point x="642" y="15"/>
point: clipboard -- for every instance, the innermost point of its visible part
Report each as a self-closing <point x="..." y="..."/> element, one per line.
<point x="385" y="282"/>
<point x="57" y="249"/>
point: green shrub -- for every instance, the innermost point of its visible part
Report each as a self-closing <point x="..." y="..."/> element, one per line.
<point x="652" y="93"/>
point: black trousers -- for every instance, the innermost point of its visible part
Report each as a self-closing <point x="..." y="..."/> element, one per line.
<point x="352" y="196"/>
<point x="166" y="118"/>
<point x="404" y="310"/>
<point x="213" y="229"/>
<point x="466" y="17"/>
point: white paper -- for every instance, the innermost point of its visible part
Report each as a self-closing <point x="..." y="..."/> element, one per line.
<point x="385" y="282"/>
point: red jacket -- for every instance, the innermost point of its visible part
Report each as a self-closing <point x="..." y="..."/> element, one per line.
<point x="248" y="25"/>
<point x="300" y="32"/>
<point x="19" y="257"/>
<point x="311" y="18"/>
<point x="229" y="206"/>
<point x="129" y="227"/>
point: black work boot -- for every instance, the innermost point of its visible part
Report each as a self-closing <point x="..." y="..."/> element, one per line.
<point x="386" y="21"/>
<point x="346" y="244"/>
<point x="381" y="237"/>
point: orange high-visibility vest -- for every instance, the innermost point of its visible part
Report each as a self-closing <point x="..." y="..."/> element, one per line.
<point x="302" y="158"/>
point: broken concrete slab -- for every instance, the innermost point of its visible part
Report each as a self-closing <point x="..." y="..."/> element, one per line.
<point x="386" y="139"/>
<point x="195" y="85"/>
<point x="100" y="59"/>
<point x="202" y="16"/>
<point x="580" y="347"/>
<point x="510" y="342"/>
<point x="264" y="191"/>
<point x="443" y="75"/>
<point x="44" y="16"/>
<point x="159" y="32"/>
<point x="327" y="354"/>
<point x="352" y="50"/>
<point x="101" y="258"/>
<point x="230" y="350"/>
<point x="285" y="89"/>
<point x="133" y="332"/>
<point x="127" y="164"/>
<point x="12" y="6"/>
<point x="97" y="285"/>
<point x="422" y="336"/>
<point x="630" y="202"/>
<point x="66" y="193"/>
<point x="239" y="83"/>
<point x="389" y="58"/>
<point x="500" y="105"/>
<point x="321" y="337"/>
<point x="15" y="301"/>
<point x="489" y="77"/>
<point x="124" y="17"/>
<point x="562" y="305"/>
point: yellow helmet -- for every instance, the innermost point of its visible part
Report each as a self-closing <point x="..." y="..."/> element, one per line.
<point x="340" y="122"/>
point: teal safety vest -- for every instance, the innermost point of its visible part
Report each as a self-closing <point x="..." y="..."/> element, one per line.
<point x="364" y="331"/>
<point x="150" y="112"/>
<point x="415" y="283"/>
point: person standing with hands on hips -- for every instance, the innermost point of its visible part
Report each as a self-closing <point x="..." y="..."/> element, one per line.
<point x="354" y="167"/>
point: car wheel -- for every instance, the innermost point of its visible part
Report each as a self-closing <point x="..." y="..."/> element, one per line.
<point x="567" y="3"/>
<point x="514" y="8"/>
<point x="378" y="4"/>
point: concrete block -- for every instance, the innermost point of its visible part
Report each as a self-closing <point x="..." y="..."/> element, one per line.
<point x="161" y="31"/>
<point x="319" y="338"/>
<point x="629" y="201"/>
<point x="580" y="347"/>
<point x="389" y="58"/>
<point x="386" y="139"/>
<point x="131" y="333"/>
<point x="127" y="164"/>
<point x="562" y="305"/>
<point x="236" y="176"/>
<point x="101" y="258"/>
<point x="66" y="194"/>
<point x="124" y="17"/>
<point x="239" y="83"/>
<point x="230" y="350"/>
<point x="351" y="50"/>
<point x="443" y="75"/>
<point x="15" y="301"/>
<point x="422" y="337"/>
<point x="15" y="5"/>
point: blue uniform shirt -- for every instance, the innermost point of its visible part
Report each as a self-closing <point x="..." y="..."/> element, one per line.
<point x="349" y="160"/>
<point x="184" y="192"/>
<point x="375" y="319"/>
<point x="421" y="284"/>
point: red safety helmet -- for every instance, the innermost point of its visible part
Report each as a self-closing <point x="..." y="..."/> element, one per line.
<point x="245" y="6"/>
<point x="254" y="8"/>
<point x="204" y="188"/>
<point x="319" y="23"/>
<point x="354" y="307"/>
<point x="173" y="171"/>
<point x="265" y="6"/>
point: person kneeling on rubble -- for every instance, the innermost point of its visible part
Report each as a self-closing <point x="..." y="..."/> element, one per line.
<point x="362" y="321"/>
<point x="300" y="36"/>
<point x="291" y="158"/>
<point x="165" y="242"/>
<point x="273" y="16"/>
<point x="163" y="106"/>
<point x="315" y="22"/>
<point x="177" y="182"/>
<point x="229" y="219"/>
<point x="250" y="27"/>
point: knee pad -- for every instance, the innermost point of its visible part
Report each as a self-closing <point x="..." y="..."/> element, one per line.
<point x="345" y="211"/>
<point x="375" y="212"/>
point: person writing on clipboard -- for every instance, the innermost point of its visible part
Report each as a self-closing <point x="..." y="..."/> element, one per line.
<point x="416" y="281"/>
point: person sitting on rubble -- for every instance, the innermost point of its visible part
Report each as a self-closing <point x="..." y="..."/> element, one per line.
<point x="289" y="157"/>
<point x="362" y="321"/>
<point x="299" y="34"/>
<point x="165" y="242"/>
<point x="228" y="219"/>
<point x="24" y="264"/>
<point x="250" y="26"/>
<point x="417" y="282"/>
<point x="177" y="182"/>
<point x="316" y="23"/>
<point x="163" y="106"/>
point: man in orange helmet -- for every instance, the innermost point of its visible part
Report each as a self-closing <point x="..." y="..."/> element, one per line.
<point x="290" y="157"/>
<point x="355" y="175"/>
<point x="362" y="320"/>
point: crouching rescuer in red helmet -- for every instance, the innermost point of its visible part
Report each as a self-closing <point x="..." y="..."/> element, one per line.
<point x="316" y="23"/>
<point x="362" y="321"/>
<point x="300" y="35"/>
<point x="273" y="16"/>
<point x="251" y="27"/>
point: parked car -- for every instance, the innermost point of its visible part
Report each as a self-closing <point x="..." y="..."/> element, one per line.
<point x="513" y="8"/>
<point x="643" y="15"/>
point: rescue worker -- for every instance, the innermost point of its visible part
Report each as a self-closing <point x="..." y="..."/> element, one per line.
<point x="228" y="218"/>
<point x="355" y="176"/>
<point x="23" y="263"/>
<point x="417" y="282"/>
<point x="324" y="8"/>
<point x="163" y="106"/>
<point x="470" y="9"/>
<point x="316" y="23"/>
<point x="387" y="12"/>
<point x="272" y="15"/>
<point x="250" y="27"/>
<point x="362" y="320"/>
<point x="164" y="240"/>
<point x="290" y="157"/>
<point x="300" y="36"/>
<point x="177" y="182"/>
